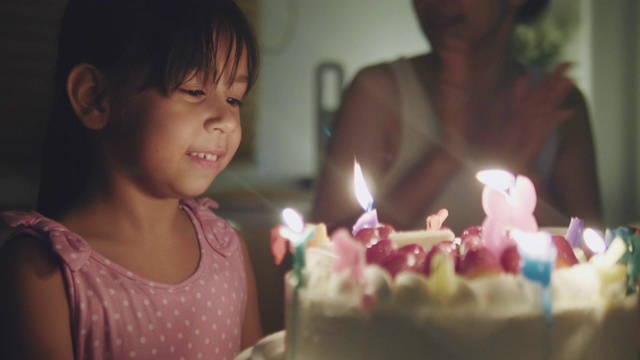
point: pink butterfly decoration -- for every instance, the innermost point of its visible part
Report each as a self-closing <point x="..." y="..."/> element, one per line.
<point x="350" y="252"/>
<point x="505" y="211"/>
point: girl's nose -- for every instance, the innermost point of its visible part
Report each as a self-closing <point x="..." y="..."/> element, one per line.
<point x="222" y="117"/>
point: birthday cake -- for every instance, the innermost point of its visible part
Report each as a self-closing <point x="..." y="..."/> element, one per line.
<point x="502" y="290"/>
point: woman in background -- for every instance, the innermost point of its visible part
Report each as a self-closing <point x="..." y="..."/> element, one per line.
<point x="422" y="127"/>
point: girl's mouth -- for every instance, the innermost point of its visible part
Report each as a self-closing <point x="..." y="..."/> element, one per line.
<point x="204" y="156"/>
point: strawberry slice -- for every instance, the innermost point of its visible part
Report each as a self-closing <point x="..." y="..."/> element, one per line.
<point x="566" y="257"/>
<point x="370" y="236"/>
<point x="510" y="259"/>
<point x="380" y="252"/>
<point x="479" y="261"/>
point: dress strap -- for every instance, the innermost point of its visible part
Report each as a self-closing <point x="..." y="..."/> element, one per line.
<point x="218" y="233"/>
<point x="73" y="249"/>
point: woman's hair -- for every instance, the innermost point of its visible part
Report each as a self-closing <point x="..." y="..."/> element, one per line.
<point x="530" y="10"/>
<point x="146" y="43"/>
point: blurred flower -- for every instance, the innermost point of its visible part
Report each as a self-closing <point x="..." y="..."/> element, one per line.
<point x="540" y="44"/>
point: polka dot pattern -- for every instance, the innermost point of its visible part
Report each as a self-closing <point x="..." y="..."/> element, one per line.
<point x="118" y="314"/>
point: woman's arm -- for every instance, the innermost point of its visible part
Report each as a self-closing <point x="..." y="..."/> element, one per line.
<point x="364" y="130"/>
<point x="408" y="199"/>
<point x="251" y="326"/>
<point x="574" y="182"/>
<point x="34" y="306"/>
<point x="368" y="127"/>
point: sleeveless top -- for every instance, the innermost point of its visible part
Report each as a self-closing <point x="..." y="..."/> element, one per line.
<point x="117" y="314"/>
<point x="421" y="131"/>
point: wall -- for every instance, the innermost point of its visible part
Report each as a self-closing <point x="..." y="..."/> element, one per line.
<point x="614" y="34"/>
<point x="297" y="36"/>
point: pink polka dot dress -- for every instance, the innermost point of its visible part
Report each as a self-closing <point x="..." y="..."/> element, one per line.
<point x="116" y="314"/>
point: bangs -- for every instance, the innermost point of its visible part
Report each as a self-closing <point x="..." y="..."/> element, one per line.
<point x="203" y="37"/>
<point x="210" y="51"/>
<point x="136" y="44"/>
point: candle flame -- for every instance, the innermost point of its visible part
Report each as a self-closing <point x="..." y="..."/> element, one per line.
<point x="293" y="220"/>
<point x="362" y="192"/>
<point x="594" y="241"/>
<point x="536" y="245"/>
<point x="500" y="180"/>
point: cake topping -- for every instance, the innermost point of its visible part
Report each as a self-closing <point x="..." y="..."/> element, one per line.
<point x="374" y="264"/>
<point x="351" y="254"/>
<point x="574" y="231"/>
<point x="370" y="217"/>
<point x="508" y="202"/>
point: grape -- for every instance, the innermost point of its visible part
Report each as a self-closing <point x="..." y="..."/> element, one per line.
<point x="380" y="251"/>
<point x="397" y="263"/>
<point x="510" y="259"/>
<point x="566" y="257"/>
<point x="416" y="256"/>
<point x="370" y="236"/>
<point x="479" y="261"/>
<point x="472" y="230"/>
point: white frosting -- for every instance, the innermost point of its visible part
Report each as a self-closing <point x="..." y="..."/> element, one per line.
<point x="447" y="316"/>
<point x="426" y="239"/>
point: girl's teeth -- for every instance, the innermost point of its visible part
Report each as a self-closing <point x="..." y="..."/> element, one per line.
<point x="210" y="157"/>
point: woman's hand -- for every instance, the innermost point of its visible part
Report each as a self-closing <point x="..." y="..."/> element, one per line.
<point x="536" y="113"/>
<point x="510" y="127"/>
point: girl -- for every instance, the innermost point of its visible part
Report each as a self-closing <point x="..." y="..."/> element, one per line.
<point x="423" y="126"/>
<point x="121" y="261"/>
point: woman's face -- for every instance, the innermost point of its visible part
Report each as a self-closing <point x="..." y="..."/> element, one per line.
<point x="473" y="21"/>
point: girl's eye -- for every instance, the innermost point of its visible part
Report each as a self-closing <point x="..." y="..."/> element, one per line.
<point x="194" y="93"/>
<point x="234" y="102"/>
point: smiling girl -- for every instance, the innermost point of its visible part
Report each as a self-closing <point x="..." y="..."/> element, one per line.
<point x="121" y="261"/>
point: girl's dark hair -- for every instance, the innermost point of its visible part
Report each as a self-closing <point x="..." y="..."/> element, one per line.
<point x="531" y="10"/>
<point x="149" y="43"/>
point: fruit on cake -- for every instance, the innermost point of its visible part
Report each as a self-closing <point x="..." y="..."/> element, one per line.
<point x="501" y="290"/>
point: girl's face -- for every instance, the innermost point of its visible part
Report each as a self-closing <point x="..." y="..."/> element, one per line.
<point x="474" y="21"/>
<point x="175" y="145"/>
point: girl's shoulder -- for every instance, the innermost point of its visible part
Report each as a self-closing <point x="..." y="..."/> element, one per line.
<point x="219" y="234"/>
<point x="23" y="251"/>
<point x="29" y="274"/>
<point x="45" y="239"/>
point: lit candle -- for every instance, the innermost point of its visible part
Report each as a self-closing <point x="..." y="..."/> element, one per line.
<point x="537" y="260"/>
<point x="593" y="241"/>
<point x="298" y="235"/>
<point x="508" y="202"/>
<point x="605" y="260"/>
<point x="574" y="232"/>
<point x="632" y="256"/>
<point x="370" y="217"/>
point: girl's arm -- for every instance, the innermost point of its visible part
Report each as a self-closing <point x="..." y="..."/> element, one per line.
<point x="35" y="321"/>
<point x="251" y="326"/>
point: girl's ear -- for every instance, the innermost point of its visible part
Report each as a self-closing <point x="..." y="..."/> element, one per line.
<point x="86" y="89"/>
